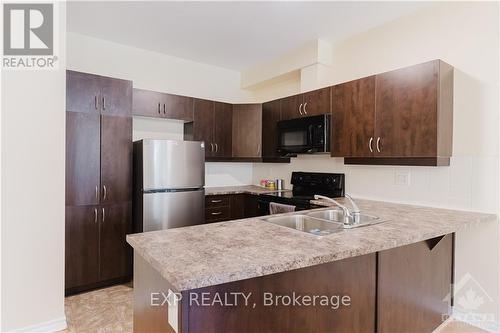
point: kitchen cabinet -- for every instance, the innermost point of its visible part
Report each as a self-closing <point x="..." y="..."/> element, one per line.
<point x="308" y="104"/>
<point x="149" y="103"/>
<point x="203" y="124"/>
<point x="213" y="124"/>
<point x="353" y="117"/>
<point x="414" y="282"/>
<point x="98" y="184"/>
<point x="228" y="207"/>
<point x="90" y="93"/>
<point x="116" y="157"/>
<point x="402" y="117"/>
<point x="82" y="158"/>
<point x="223" y="125"/>
<point x="82" y="245"/>
<point x="114" y="259"/>
<point x="271" y="114"/>
<point x="247" y="130"/>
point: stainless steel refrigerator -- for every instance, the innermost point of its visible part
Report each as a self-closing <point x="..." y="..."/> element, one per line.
<point x="169" y="179"/>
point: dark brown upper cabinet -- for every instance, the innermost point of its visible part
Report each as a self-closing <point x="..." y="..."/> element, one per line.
<point x="247" y="130"/>
<point x="203" y="124"/>
<point x="97" y="94"/>
<point x="308" y="104"/>
<point x="271" y="114"/>
<point x="353" y="116"/>
<point x="223" y="127"/>
<point x="149" y="103"/>
<point x="404" y="117"/>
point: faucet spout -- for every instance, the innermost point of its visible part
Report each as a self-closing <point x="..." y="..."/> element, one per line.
<point x="351" y="216"/>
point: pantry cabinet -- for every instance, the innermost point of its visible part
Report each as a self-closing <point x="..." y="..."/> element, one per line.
<point x="402" y="117"/>
<point x="98" y="181"/>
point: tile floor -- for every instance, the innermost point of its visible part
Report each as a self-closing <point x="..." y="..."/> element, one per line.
<point x="109" y="310"/>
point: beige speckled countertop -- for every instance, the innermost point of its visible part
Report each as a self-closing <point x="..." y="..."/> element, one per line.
<point x="211" y="254"/>
<point x="251" y="189"/>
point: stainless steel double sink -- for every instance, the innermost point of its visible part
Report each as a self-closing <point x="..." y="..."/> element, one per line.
<point x="322" y="222"/>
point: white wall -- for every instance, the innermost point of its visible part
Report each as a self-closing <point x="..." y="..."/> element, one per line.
<point x="160" y="72"/>
<point x="466" y="36"/>
<point x="32" y="199"/>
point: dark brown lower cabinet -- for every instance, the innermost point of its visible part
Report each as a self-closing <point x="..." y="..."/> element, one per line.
<point x="413" y="284"/>
<point x="82" y="246"/>
<point x="227" y="207"/>
<point x="114" y="251"/>
<point x="97" y="253"/>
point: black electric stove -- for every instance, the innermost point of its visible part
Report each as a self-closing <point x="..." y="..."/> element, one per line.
<point x="305" y="186"/>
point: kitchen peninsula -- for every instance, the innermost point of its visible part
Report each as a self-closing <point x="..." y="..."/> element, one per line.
<point x="397" y="274"/>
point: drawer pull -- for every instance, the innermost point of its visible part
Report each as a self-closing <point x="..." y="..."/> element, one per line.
<point x="216" y="213"/>
<point x="216" y="201"/>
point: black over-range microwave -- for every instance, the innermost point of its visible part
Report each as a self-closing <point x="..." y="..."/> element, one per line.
<point x="304" y="135"/>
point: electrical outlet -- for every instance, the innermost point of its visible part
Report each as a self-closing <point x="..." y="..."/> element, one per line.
<point x="402" y="177"/>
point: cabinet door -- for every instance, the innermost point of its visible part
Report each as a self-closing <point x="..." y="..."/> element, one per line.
<point x="82" y="158"/>
<point x="116" y="96"/>
<point x="247" y="130"/>
<point x="203" y="124"/>
<point x="223" y="129"/>
<point x="82" y="246"/>
<point x="353" y="117"/>
<point x="290" y="107"/>
<point x="316" y="102"/>
<point x="413" y="284"/>
<point x="82" y="92"/>
<point x="179" y="107"/>
<point x="251" y="205"/>
<point x="406" y="112"/>
<point x="147" y="103"/>
<point x="116" y="159"/>
<point x="115" y="254"/>
<point x="271" y="114"/>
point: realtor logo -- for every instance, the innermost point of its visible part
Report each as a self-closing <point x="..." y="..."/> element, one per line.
<point x="28" y="29"/>
<point x="28" y="36"/>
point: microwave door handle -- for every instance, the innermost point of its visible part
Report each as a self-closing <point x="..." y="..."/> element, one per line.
<point x="311" y="144"/>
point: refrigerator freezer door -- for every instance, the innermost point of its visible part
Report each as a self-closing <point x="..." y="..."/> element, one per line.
<point x="165" y="210"/>
<point x="171" y="164"/>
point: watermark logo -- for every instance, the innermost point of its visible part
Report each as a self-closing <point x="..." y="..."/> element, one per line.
<point x="28" y="36"/>
<point x="469" y="301"/>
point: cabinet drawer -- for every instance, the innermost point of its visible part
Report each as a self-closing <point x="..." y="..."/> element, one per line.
<point x="217" y="201"/>
<point x="213" y="214"/>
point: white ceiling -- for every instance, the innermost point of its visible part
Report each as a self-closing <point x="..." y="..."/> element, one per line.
<point x="234" y="35"/>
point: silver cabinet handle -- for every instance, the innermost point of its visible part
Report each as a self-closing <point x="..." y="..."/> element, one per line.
<point x="95" y="215"/>
<point x="159" y="112"/>
<point x="378" y="144"/>
<point x="97" y="193"/>
<point x="103" y="215"/>
<point x="105" y="194"/>
<point x="164" y="109"/>
<point x="216" y="213"/>
<point x="305" y="110"/>
<point x="211" y="146"/>
<point x="216" y="201"/>
<point x="103" y="103"/>
<point x="258" y="149"/>
<point x="95" y="102"/>
<point x="370" y="145"/>
<point x="300" y="109"/>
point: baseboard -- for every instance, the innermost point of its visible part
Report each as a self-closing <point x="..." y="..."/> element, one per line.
<point x="50" y="326"/>
<point x="490" y="326"/>
<point x="443" y="325"/>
